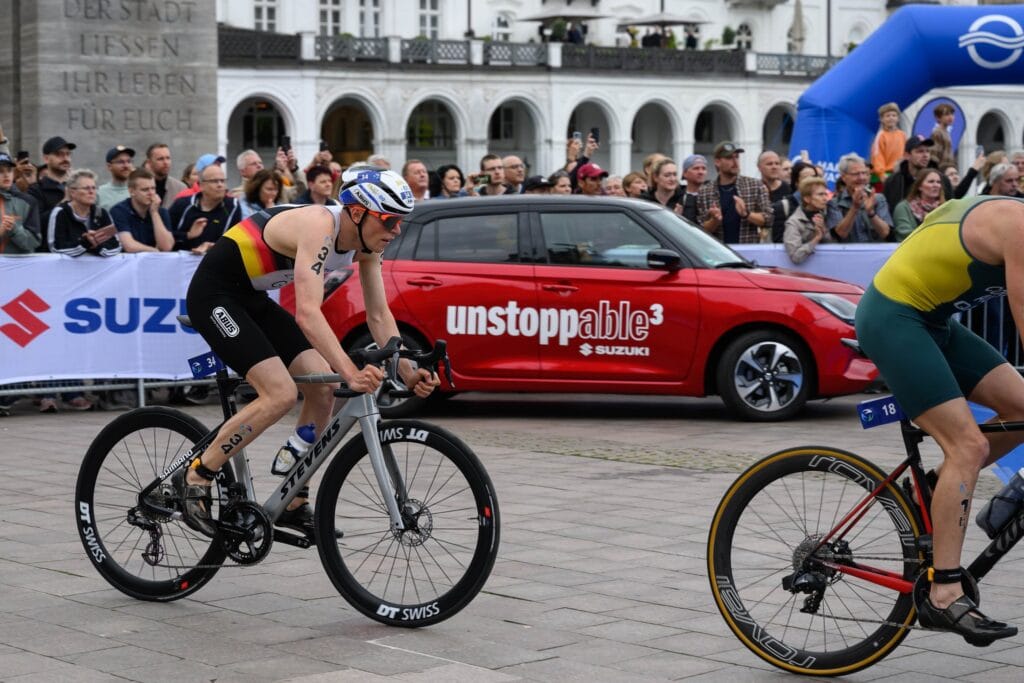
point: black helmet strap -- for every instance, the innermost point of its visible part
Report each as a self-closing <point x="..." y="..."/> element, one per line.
<point x="359" y="227"/>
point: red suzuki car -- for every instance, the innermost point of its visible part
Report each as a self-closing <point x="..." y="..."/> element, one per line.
<point x="578" y="294"/>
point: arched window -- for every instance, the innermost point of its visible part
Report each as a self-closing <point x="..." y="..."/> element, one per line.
<point x="262" y="126"/>
<point x="431" y="127"/>
<point x="744" y="37"/>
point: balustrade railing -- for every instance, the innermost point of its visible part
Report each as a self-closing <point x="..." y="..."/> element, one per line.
<point x="350" y="48"/>
<point x="435" y="51"/>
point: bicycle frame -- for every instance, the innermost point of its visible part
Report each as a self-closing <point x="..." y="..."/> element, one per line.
<point x="912" y="436"/>
<point x="361" y="408"/>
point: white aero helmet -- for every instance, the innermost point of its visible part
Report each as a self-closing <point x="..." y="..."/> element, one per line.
<point x="376" y="189"/>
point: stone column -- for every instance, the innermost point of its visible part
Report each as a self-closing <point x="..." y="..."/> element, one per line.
<point x="619" y="154"/>
<point x="103" y="73"/>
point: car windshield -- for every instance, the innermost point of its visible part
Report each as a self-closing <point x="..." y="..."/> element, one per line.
<point x="699" y="245"/>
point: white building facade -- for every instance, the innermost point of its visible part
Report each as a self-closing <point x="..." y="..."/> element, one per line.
<point x="400" y="78"/>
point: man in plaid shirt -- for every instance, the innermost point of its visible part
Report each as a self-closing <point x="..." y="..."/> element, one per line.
<point x="734" y="208"/>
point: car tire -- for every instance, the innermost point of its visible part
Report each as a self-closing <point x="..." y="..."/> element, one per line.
<point x="401" y="407"/>
<point x="765" y="375"/>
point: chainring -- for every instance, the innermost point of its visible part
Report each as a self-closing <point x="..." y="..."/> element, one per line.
<point x="246" y="532"/>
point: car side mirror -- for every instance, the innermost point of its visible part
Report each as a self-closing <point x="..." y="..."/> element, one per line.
<point x="664" y="259"/>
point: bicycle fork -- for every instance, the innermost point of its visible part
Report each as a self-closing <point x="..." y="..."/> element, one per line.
<point x="385" y="469"/>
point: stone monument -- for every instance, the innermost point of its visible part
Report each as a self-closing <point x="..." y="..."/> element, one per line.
<point x="107" y="72"/>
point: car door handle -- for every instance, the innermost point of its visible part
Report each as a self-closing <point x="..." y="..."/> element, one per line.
<point x="561" y="289"/>
<point x="425" y="282"/>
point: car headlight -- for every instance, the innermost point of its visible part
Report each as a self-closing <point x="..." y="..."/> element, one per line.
<point x="841" y="308"/>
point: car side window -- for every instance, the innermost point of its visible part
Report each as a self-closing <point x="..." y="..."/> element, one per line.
<point x="487" y="238"/>
<point x="596" y="239"/>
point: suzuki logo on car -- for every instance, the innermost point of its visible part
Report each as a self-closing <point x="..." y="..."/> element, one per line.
<point x="607" y="322"/>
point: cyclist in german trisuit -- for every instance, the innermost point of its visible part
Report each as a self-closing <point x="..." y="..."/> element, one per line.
<point x="965" y="253"/>
<point x="229" y="306"/>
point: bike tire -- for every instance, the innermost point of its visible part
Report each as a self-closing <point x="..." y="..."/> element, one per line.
<point x="122" y="460"/>
<point x="766" y="525"/>
<point x="434" y="568"/>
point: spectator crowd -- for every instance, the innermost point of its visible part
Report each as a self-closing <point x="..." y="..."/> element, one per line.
<point x="137" y="204"/>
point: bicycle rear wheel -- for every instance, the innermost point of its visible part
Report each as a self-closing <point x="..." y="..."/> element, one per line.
<point x="122" y="460"/>
<point x="435" y="566"/>
<point x="765" y="529"/>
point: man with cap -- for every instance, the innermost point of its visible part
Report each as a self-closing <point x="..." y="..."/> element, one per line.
<point x="201" y="163"/>
<point x="588" y="179"/>
<point x="537" y="184"/>
<point x="119" y="165"/>
<point x="734" y="208"/>
<point x="207" y="214"/>
<point x="916" y="156"/>
<point x="49" y="190"/>
<point x="695" y="172"/>
<point x="183" y="200"/>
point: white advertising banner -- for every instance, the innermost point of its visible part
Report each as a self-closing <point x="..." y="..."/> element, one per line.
<point x="856" y="263"/>
<point x="87" y="317"/>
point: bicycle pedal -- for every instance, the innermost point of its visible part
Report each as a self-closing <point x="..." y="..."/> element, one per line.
<point x="293" y="539"/>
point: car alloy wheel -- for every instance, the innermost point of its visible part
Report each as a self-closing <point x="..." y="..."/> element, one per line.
<point x="764" y="376"/>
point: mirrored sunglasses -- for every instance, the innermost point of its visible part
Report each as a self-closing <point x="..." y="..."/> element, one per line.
<point x="390" y="220"/>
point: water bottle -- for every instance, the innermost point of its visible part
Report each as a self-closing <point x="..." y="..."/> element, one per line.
<point x="995" y="515"/>
<point x="298" y="443"/>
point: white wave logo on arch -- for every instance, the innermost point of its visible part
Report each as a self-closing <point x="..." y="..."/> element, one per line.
<point x="975" y="36"/>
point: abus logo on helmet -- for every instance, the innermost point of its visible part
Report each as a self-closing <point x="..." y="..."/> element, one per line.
<point x="227" y="325"/>
<point x="975" y="37"/>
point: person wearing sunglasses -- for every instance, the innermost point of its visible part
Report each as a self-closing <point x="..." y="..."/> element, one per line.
<point x="228" y="304"/>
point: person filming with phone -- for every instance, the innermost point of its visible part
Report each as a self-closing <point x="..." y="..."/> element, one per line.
<point x="857" y="213"/>
<point x="490" y="181"/>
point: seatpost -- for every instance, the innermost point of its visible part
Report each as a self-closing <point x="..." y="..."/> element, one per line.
<point x="226" y="388"/>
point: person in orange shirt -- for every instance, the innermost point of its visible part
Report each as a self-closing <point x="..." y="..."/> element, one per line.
<point x="887" y="149"/>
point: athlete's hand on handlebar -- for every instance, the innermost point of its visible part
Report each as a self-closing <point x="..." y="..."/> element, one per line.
<point x="367" y="380"/>
<point x="422" y="382"/>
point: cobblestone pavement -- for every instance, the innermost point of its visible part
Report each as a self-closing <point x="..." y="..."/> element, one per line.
<point x="606" y="504"/>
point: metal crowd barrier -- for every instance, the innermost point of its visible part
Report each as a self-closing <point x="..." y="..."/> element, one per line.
<point x="99" y="385"/>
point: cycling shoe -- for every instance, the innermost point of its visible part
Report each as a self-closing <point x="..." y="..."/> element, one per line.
<point x="964" y="617"/>
<point x="301" y="519"/>
<point x="196" y="503"/>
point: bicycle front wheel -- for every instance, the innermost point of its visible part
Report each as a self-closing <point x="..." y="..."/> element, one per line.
<point x="167" y="560"/>
<point x="435" y="566"/>
<point x="768" y="528"/>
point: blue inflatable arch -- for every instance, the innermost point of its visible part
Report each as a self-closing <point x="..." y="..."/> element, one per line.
<point x="919" y="48"/>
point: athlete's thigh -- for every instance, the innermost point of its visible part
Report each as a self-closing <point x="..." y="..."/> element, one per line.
<point x="225" y="321"/>
<point x="982" y="372"/>
<point x="284" y="333"/>
<point x="906" y="350"/>
<point x="1002" y="390"/>
<point x="310" y="362"/>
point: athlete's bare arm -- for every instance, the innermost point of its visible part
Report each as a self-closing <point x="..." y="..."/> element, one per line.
<point x="382" y="323"/>
<point x="1009" y="231"/>
<point x="314" y="240"/>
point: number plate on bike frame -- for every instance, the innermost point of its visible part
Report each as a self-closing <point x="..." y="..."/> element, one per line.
<point x="204" y="365"/>
<point x="879" y="411"/>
